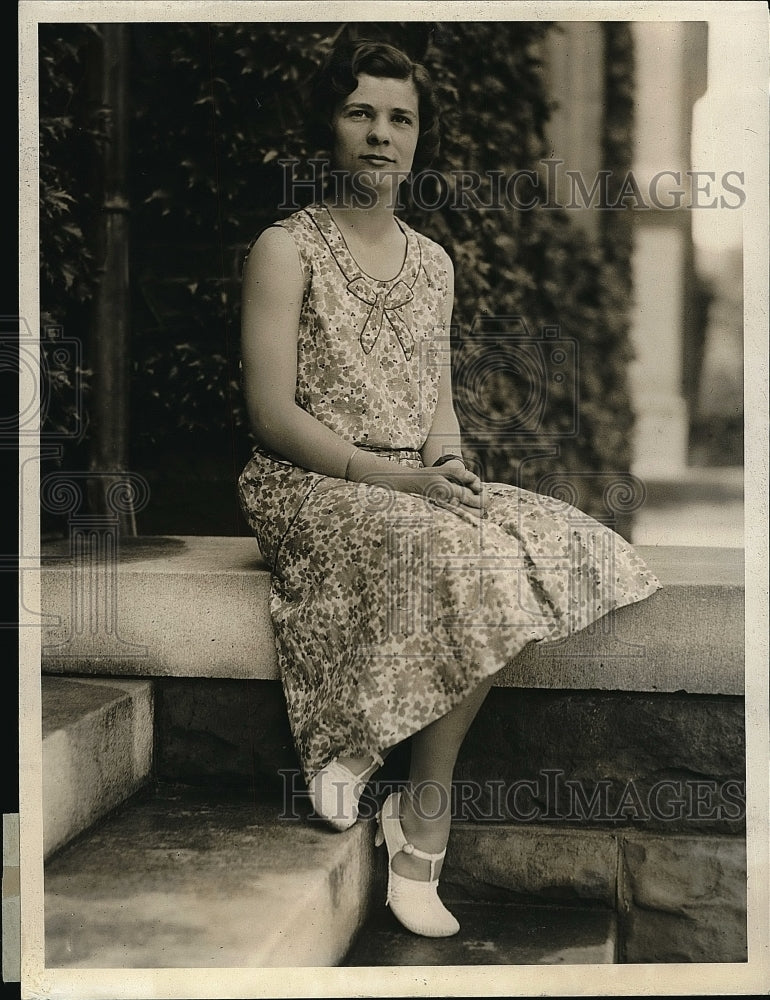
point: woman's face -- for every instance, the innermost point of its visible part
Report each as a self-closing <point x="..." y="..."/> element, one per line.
<point x="375" y="131"/>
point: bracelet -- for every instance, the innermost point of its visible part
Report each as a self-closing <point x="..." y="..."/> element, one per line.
<point x="447" y="458"/>
<point x="353" y="453"/>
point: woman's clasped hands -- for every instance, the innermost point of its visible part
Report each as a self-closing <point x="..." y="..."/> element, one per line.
<point x="451" y="485"/>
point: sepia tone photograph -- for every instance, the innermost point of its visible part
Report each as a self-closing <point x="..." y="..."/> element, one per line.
<point x="393" y="500"/>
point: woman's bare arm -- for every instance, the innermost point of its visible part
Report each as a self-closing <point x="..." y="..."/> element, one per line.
<point x="444" y="436"/>
<point x="270" y="308"/>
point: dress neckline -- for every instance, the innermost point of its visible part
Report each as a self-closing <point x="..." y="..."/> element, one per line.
<point x="349" y="265"/>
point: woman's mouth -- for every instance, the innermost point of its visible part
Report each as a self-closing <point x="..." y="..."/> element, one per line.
<point x="376" y="161"/>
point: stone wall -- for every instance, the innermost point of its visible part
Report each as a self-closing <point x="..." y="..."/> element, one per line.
<point x="678" y="898"/>
<point x="669" y="763"/>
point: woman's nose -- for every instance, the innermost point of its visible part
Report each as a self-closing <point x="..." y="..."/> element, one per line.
<point x="379" y="133"/>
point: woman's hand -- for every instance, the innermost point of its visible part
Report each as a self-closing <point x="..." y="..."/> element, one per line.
<point x="451" y="484"/>
<point x="457" y="470"/>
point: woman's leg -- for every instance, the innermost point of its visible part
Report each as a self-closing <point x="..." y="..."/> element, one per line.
<point x="426" y="813"/>
<point x="426" y="809"/>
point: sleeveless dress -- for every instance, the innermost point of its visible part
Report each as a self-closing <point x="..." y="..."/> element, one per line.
<point x="388" y="608"/>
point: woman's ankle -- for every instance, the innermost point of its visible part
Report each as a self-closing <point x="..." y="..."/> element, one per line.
<point x="355" y="764"/>
<point x="426" y="810"/>
<point x="424" y="831"/>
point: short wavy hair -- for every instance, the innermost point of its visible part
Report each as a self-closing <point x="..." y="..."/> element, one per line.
<point x="338" y="77"/>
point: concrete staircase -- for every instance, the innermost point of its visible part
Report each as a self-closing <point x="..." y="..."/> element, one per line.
<point x="141" y="873"/>
<point x="144" y="870"/>
<point x="97" y="750"/>
<point x="187" y="879"/>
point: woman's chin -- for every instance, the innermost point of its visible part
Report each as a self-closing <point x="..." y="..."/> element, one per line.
<point x="377" y="184"/>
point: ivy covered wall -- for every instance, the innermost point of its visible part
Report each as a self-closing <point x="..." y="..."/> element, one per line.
<point x="215" y="108"/>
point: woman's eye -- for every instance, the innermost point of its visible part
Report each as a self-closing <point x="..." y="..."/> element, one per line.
<point x="402" y="119"/>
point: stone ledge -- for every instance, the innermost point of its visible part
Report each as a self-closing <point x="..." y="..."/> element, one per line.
<point x="97" y="750"/>
<point x="195" y="606"/>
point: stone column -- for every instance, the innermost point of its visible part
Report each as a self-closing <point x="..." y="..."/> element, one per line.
<point x="574" y="66"/>
<point x="666" y="53"/>
<point x="112" y="309"/>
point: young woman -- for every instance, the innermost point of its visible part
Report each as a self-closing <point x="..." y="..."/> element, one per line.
<point x="400" y="584"/>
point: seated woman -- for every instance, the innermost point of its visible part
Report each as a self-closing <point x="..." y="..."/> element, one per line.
<point x="401" y="584"/>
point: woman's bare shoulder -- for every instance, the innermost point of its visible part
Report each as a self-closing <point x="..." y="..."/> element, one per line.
<point x="273" y="253"/>
<point x="435" y="260"/>
<point x="433" y="250"/>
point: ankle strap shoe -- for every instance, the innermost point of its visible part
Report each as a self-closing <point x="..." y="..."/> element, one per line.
<point x="335" y="792"/>
<point x="415" y="904"/>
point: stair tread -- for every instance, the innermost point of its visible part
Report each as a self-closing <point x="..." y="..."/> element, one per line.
<point x="188" y="878"/>
<point x="66" y="701"/>
<point x="493" y="934"/>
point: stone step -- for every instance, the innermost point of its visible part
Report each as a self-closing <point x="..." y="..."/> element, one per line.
<point x="494" y="934"/>
<point x="97" y="750"/>
<point x="186" y="878"/>
<point x="194" y="606"/>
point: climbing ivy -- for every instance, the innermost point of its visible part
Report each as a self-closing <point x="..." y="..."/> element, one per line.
<point x="216" y="107"/>
<point x="71" y="131"/>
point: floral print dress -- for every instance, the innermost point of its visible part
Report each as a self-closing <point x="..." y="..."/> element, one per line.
<point x="388" y="608"/>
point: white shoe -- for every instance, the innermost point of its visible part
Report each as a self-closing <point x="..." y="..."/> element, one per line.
<point x="335" y="792"/>
<point x="415" y="904"/>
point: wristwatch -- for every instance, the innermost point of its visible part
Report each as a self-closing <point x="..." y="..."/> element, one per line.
<point x="448" y="458"/>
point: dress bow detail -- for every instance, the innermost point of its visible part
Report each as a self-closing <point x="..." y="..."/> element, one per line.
<point x="384" y="304"/>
